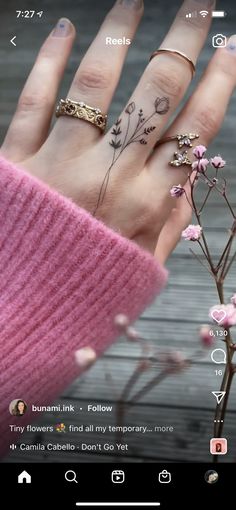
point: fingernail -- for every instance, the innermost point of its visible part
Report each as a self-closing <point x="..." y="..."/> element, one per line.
<point x="131" y="4"/>
<point x="207" y="3"/>
<point x="231" y="45"/>
<point x="63" y="28"/>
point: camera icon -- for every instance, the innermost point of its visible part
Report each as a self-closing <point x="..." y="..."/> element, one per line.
<point x="219" y="41"/>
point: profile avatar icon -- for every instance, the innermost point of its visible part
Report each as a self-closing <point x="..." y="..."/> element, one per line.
<point x="211" y="476"/>
<point x="18" y="407"/>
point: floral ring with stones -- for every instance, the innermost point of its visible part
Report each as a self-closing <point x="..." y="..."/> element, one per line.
<point x="184" y="141"/>
<point x="80" y="110"/>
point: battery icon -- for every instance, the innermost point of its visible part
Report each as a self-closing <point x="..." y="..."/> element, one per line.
<point x="219" y="14"/>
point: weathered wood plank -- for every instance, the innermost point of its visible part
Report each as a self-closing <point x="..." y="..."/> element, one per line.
<point x="163" y="336"/>
<point x="185" y="388"/>
<point x="184" y="303"/>
<point x="216" y="242"/>
<point x="68" y="457"/>
<point x="187" y="271"/>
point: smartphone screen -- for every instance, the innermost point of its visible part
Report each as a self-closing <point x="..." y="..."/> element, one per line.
<point x="117" y="163"/>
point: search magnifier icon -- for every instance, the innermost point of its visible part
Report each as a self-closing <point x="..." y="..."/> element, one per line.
<point x="70" y="476"/>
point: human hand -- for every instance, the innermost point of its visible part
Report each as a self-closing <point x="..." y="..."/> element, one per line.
<point x="76" y="160"/>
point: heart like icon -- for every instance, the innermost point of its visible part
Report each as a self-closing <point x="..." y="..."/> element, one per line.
<point x="218" y="315"/>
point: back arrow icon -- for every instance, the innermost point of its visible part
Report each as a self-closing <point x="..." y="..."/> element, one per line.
<point x="13" y="40"/>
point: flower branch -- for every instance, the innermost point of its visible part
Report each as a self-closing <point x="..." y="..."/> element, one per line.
<point x="225" y="314"/>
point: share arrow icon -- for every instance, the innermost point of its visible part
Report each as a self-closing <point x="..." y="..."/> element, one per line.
<point x="219" y="395"/>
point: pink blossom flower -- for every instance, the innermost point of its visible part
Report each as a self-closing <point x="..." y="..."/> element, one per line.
<point x="233" y="300"/>
<point x="192" y="233"/>
<point x="199" y="151"/>
<point x="176" y="362"/>
<point x="177" y="191"/>
<point x="206" y="337"/>
<point x="218" y="162"/>
<point x="200" y="165"/>
<point x="121" y="320"/>
<point x="85" y="357"/>
<point x="224" y="315"/>
<point x="132" y="333"/>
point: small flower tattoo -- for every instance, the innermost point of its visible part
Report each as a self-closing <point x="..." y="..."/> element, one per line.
<point x="122" y="136"/>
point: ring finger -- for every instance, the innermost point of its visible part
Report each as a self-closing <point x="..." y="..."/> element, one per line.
<point x="162" y="85"/>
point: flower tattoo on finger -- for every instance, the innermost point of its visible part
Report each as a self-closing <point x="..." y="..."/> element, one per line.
<point x="122" y="136"/>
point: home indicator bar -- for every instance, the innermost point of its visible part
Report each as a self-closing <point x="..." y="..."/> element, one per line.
<point x="113" y="504"/>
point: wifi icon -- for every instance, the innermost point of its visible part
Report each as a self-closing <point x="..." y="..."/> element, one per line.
<point x="204" y="13"/>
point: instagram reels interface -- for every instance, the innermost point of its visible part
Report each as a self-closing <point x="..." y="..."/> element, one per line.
<point x="117" y="253"/>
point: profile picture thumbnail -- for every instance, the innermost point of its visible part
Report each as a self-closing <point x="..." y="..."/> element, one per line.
<point x="218" y="446"/>
<point x="18" y="407"/>
<point x="211" y="476"/>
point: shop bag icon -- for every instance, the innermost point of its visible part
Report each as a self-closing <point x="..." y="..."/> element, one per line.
<point x="164" y="476"/>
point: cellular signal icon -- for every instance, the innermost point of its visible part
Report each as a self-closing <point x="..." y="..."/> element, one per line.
<point x="191" y="14"/>
<point x="204" y="13"/>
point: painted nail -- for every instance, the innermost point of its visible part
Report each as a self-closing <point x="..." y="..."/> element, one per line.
<point x="207" y="3"/>
<point x="62" y="28"/>
<point x="131" y="4"/>
<point x="231" y="45"/>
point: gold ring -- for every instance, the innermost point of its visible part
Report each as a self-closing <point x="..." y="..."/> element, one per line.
<point x="184" y="141"/>
<point x="80" y="110"/>
<point x="175" y="52"/>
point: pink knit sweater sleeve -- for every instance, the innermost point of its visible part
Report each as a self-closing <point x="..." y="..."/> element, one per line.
<point x="64" y="277"/>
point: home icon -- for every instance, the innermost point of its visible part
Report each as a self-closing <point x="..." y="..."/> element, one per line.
<point x="24" y="477"/>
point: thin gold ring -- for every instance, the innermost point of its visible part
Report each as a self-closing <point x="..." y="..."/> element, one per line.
<point x="178" y="53"/>
<point x="82" y="111"/>
<point x="184" y="140"/>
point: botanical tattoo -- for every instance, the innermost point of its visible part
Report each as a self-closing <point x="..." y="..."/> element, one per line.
<point x="122" y="137"/>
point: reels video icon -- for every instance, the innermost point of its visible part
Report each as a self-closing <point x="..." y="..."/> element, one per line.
<point x="118" y="476"/>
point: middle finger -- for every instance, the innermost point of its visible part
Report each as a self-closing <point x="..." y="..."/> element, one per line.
<point x="98" y="74"/>
<point x="161" y="87"/>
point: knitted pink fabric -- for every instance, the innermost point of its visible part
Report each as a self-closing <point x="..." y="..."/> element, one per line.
<point x="64" y="277"/>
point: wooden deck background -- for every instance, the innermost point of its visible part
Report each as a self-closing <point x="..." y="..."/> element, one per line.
<point x="184" y="401"/>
